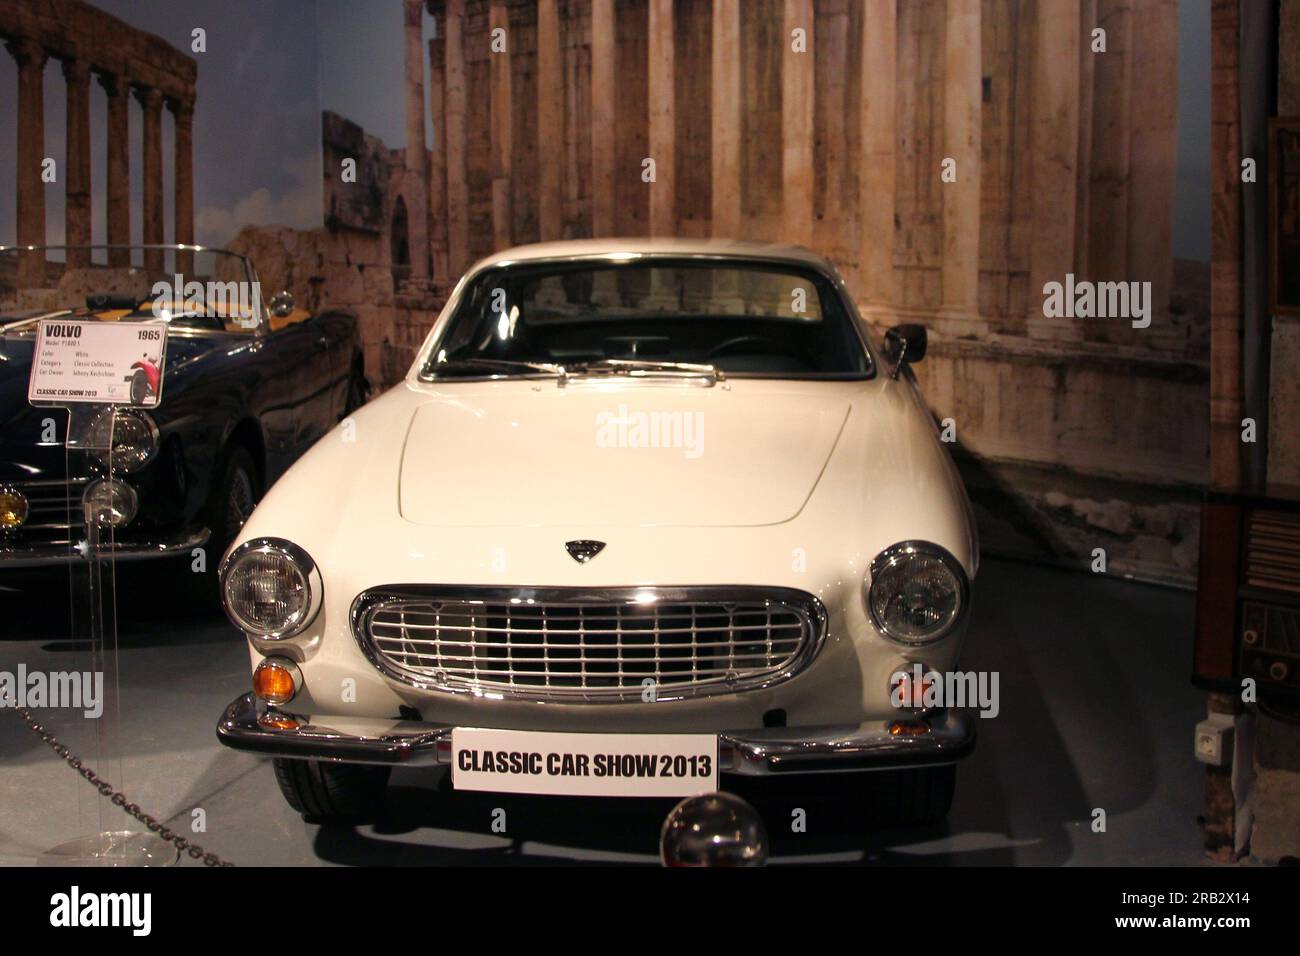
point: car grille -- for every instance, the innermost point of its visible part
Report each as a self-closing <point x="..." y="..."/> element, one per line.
<point x="544" y="644"/>
<point x="54" y="513"/>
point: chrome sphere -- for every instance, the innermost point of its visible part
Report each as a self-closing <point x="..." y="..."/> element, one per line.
<point x="713" y="829"/>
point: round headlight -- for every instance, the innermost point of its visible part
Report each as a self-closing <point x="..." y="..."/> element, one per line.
<point x="13" y="508"/>
<point x="132" y="443"/>
<point x="270" y="588"/>
<point x="109" y="503"/>
<point x="918" y="592"/>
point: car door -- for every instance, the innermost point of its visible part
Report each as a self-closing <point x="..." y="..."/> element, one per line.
<point x="339" y="330"/>
<point x="314" y="379"/>
<point x="292" y="354"/>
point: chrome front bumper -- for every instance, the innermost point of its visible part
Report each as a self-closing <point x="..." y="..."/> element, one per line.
<point x="19" y="556"/>
<point x="940" y="739"/>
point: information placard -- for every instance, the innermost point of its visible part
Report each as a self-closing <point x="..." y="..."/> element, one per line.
<point x="580" y="764"/>
<point x="98" y="361"/>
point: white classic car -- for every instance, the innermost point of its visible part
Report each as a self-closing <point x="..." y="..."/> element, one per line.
<point x="643" y="512"/>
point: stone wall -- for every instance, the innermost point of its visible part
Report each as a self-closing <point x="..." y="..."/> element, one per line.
<point x="345" y="269"/>
<point x="1080" y="432"/>
<point x="348" y="264"/>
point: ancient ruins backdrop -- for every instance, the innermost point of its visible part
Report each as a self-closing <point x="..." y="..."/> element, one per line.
<point x="1073" y="434"/>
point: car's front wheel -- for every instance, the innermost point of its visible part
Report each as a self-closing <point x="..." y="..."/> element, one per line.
<point x="233" y="497"/>
<point x="332" y="792"/>
<point x="913" y="797"/>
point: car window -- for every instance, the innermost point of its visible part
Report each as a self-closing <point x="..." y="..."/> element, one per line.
<point x="742" y="318"/>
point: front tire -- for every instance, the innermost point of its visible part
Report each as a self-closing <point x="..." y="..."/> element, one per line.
<point x="233" y="498"/>
<point x="332" y="792"/>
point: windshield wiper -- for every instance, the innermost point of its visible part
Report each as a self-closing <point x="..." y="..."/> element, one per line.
<point x="648" y="368"/>
<point x="451" y="365"/>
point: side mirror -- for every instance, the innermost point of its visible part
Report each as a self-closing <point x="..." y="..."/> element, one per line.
<point x="281" y="304"/>
<point x="905" y="343"/>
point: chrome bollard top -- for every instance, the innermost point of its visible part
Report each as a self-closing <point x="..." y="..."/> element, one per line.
<point x="713" y="829"/>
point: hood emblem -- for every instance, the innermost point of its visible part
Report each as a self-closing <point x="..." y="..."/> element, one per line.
<point x="583" y="551"/>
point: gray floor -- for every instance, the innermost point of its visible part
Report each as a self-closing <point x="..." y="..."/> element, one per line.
<point x="1097" y="712"/>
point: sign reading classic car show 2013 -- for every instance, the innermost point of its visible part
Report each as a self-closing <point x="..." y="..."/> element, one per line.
<point x="89" y="360"/>
<point x="598" y="765"/>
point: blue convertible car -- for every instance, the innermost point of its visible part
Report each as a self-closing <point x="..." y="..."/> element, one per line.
<point x="248" y="386"/>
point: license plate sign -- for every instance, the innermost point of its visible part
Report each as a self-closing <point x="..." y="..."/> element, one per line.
<point x="596" y="765"/>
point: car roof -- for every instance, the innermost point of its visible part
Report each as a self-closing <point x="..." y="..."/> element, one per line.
<point x="641" y="245"/>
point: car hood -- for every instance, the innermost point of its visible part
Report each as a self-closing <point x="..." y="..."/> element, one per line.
<point x="618" y="454"/>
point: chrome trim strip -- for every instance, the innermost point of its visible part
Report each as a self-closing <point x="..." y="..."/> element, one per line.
<point x="49" y="482"/>
<point x="239" y="729"/>
<point x="42" y="555"/>
<point x="947" y="738"/>
<point x="809" y="609"/>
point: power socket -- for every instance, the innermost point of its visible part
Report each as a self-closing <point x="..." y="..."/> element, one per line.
<point x="1214" y="740"/>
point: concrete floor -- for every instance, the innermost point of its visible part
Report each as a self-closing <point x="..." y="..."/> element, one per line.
<point x="1097" y="712"/>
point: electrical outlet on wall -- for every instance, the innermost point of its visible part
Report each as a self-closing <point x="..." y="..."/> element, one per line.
<point x="1214" y="740"/>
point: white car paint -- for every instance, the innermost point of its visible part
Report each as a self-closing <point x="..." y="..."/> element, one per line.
<point x="800" y="485"/>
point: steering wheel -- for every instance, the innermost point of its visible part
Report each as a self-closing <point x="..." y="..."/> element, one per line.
<point x="750" y="343"/>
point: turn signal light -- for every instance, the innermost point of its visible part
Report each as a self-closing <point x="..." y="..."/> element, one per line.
<point x="909" y="728"/>
<point x="277" y="722"/>
<point x="910" y="690"/>
<point x="274" y="680"/>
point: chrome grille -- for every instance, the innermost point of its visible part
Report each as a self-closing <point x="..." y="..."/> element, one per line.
<point x="54" y="512"/>
<point x="553" y="643"/>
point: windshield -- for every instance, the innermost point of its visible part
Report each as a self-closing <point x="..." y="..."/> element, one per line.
<point x="736" y="317"/>
<point x="190" y="288"/>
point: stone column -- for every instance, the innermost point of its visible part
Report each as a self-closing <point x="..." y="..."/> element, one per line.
<point x="1227" y="404"/>
<point x="604" y="145"/>
<point x="662" y="121"/>
<point x="117" y="179"/>
<point x="726" y="118"/>
<point x="962" y="103"/>
<point x="454" y="141"/>
<point x="183" y="121"/>
<point x="1088" y="20"/>
<point x="602" y="118"/>
<point x="876" y="162"/>
<point x="1153" y="154"/>
<point x="1109" y="167"/>
<point x="499" y="99"/>
<point x="797" y="76"/>
<point x="30" y="208"/>
<point x="76" y="182"/>
<point x="152" y="193"/>
<point x="550" y="120"/>
<point x="1054" y="142"/>
<point x="417" y="159"/>
<point x="438" y="162"/>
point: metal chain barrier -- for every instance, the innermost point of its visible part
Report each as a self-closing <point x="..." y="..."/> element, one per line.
<point x="118" y="798"/>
